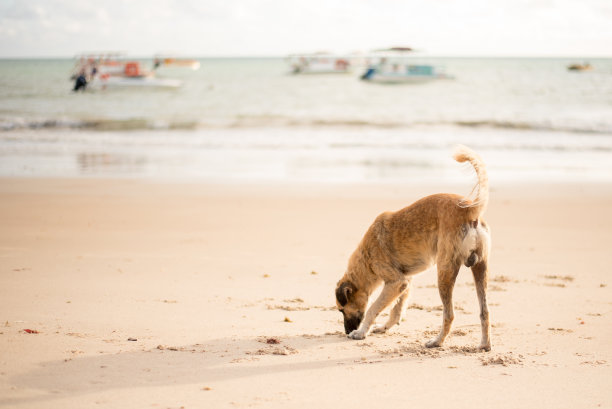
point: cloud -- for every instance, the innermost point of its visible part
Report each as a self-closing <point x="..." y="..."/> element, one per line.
<point x="278" y="27"/>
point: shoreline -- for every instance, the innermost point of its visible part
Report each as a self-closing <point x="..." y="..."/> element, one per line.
<point x="305" y="155"/>
<point x="164" y="294"/>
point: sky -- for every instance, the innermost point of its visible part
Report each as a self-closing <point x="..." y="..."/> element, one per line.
<point x="537" y="28"/>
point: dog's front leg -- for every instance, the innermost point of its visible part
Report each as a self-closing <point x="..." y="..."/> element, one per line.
<point x="389" y="293"/>
<point x="396" y="312"/>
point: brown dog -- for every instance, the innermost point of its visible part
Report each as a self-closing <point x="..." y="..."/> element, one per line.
<point x="443" y="229"/>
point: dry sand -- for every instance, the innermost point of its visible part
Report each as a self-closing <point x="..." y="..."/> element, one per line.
<point x="159" y="295"/>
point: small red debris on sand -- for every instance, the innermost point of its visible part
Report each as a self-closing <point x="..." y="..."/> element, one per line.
<point x="31" y="331"/>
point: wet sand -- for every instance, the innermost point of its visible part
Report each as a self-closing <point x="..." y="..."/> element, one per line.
<point x="141" y="294"/>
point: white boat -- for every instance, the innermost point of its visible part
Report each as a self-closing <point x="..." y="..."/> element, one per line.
<point x="146" y="81"/>
<point x="403" y="73"/>
<point x="319" y="63"/>
<point x="580" y="67"/>
<point x="111" y="70"/>
<point x="163" y="60"/>
<point x="394" y="66"/>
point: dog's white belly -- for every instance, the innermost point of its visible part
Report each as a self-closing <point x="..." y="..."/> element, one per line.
<point x="470" y="242"/>
<point x="475" y="238"/>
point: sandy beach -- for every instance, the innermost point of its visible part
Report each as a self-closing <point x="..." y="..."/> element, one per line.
<point x="134" y="294"/>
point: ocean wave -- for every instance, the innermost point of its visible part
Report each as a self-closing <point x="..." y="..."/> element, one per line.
<point x="134" y="124"/>
<point x="536" y="126"/>
<point x="94" y="124"/>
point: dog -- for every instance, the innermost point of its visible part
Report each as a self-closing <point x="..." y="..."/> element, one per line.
<point x="442" y="229"/>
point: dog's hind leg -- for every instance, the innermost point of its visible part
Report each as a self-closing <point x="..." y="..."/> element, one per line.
<point x="480" y="272"/>
<point x="389" y="293"/>
<point x="447" y="274"/>
<point x="396" y="313"/>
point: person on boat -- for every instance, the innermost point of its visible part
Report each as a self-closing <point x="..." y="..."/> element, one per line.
<point x="81" y="81"/>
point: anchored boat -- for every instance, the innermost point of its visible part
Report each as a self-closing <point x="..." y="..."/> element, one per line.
<point x="319" y="63"/>
<point x="580" y="67"/>
<point x="111" y="70"/>
<point x="393" y="66"/>
<point x="403" y="73"/>
<point x="163" y="60"/>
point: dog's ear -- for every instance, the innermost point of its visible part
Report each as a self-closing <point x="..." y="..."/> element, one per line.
<point x="344" y="292"/>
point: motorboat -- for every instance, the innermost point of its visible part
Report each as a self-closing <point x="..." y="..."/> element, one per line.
<point x="112" y="70"/>
<point x="161" y="60"/>
<point x="134" y="81"/>
<point x="580" y="67"/>
<point x="394" y="66"/>
<point x="403" y="73"/>
<point x="319" y="63"/>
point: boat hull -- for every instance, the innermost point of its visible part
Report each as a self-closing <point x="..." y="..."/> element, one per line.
<point x="403" y="79"/>
<point x="320" y="71"/>
<point x="135" y="82"/>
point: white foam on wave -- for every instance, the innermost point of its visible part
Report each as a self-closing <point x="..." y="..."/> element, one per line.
<point x="321" y="155"/>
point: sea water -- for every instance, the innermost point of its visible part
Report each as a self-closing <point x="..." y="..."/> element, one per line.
<point x="250" y="120"/>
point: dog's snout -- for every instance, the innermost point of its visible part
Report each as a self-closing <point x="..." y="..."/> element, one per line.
<point x="352" y="323"/>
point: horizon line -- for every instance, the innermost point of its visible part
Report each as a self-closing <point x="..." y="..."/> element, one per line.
<point x="274" y="56"/>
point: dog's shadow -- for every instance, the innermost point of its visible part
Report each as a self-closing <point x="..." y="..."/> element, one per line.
<point x="214" y="361"/>
<point x="207" y="363"/>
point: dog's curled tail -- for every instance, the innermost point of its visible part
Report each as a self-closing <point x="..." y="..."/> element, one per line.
<point x="479" y="204"/>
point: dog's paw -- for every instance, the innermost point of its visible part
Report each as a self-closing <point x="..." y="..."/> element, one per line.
<point x="432" y="343"/>
<point x="379" y="329"/>
<point x="357" y="334"/>
<point x="485" y="347"/>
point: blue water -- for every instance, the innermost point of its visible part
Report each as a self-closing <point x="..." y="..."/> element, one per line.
<point x="250" y="120"/>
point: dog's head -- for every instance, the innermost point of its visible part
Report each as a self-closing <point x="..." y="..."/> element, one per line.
<point x="352" y="303"/>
